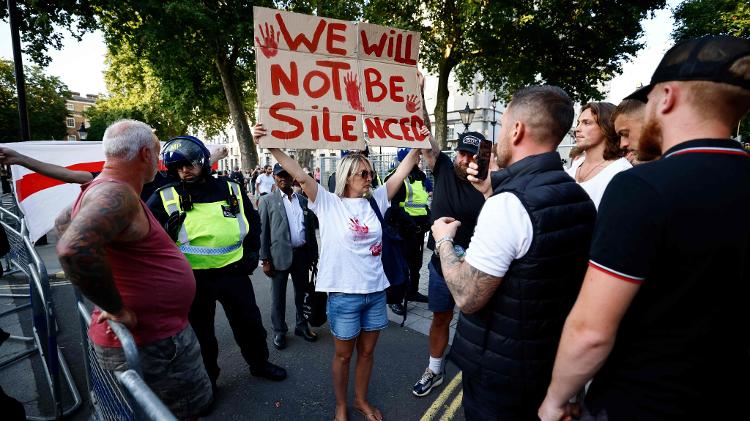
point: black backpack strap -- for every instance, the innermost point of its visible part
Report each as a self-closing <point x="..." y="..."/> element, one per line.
<point x="375" y="208"/>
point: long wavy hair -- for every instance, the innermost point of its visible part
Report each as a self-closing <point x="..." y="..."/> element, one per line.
<point x="602" y="112"/>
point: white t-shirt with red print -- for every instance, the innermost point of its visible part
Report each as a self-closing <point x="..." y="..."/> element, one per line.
<point x="350" y="242"/>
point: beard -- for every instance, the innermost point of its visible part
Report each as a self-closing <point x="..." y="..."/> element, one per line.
<point x="649" y="146"/>
<point x="460" y="170"/>
<point x="502" y="153"/>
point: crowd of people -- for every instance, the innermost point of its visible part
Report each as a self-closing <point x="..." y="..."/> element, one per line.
<point x="610" y="290"/>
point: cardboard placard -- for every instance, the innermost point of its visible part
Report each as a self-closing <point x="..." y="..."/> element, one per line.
<point x="325" y="83"/>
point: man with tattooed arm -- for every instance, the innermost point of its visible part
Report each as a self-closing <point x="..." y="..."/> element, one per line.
<point x="524" y="264"/>
<point x="113" y="249"/>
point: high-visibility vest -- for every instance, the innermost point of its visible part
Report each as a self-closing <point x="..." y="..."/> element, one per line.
<point x="209" y="238"/>
<point x="415" y="203"/>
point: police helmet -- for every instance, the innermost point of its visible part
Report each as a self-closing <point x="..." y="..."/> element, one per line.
<point x="186" y="150"/>
<point x="401" y="153"/>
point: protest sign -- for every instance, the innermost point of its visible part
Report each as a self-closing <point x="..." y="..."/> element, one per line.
<point x="327" y="84"/>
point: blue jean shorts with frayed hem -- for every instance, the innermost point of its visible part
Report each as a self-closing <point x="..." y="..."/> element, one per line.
<point x="349" y="314"/>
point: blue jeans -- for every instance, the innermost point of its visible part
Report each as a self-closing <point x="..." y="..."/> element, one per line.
<point x="349" y="314"/>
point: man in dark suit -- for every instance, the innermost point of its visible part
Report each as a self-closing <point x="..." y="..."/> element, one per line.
<point x="287" y="247"/>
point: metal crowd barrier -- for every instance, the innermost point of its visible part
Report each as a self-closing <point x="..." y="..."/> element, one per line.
<point x="118" y="395"/>
<point x="24" y="258"/>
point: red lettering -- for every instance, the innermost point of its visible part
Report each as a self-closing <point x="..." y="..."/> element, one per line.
<point x="370" y="83"/>
<point x="335" y="66"/>
<point x="290" y="82"/>
<point x="416" y="124"/>
<point x="335" y="26"/>
<point x="398" y="58"/>
<point x="396" y="89"/>
<point x="327" y="127"/>
<point x="323" y="88"/>
<point x="388" y="123"/>
<point x="403" y="122"/>
<point x="347" y="126"/>
<point x="373" y="48"/>
<point x="312" y="46"/>
<point x="390" y="44"/>
<point x="374" y="128"/>
<point x="409" y="59"/>
<point x="280" y="134"/>
<point x="314" y="126"/>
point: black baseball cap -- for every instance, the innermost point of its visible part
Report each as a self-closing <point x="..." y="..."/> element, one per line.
<point x="469" y="142"/>
<point x="706" y="58"/>
<point x="278" y="169"/>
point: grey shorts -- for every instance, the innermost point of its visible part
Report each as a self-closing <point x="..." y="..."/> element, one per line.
<point x="172" y="368"/>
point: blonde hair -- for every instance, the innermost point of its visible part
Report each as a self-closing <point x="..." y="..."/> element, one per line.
<point x="344" y="170"/>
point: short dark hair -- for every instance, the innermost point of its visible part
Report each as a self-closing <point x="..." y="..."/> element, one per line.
<point x="547" y="109"/>
<point x="602" y="112"/>
<point x="627" y="107"/>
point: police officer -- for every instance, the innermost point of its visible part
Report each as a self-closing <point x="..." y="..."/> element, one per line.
<point x="218" y="230"/>
<point x="413" y="221"/>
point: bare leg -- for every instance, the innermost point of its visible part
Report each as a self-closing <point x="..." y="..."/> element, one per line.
<point x="439" y="330"/>
<point x="365" y="348"/>
<point x="340" y="366"/>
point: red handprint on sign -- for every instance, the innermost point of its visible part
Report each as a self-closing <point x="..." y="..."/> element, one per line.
<point x="271" y="41"/>
<point x="352" y="92"/>
<point x="412" y="103"/>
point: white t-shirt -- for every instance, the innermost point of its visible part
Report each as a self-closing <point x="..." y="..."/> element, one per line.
<point x="595" y="186"/>
<point x="266" y="182"/>
<point x="351" y="241"/>
<point x="503" y="234"/>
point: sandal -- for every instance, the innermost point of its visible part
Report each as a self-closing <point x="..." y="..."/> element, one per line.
<point x="373" y="416"/>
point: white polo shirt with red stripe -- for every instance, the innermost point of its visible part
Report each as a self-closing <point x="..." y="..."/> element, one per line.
<point x="680" y="228"/>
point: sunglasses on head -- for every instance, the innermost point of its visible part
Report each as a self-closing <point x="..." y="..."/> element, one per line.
<point x="365" y="173"/>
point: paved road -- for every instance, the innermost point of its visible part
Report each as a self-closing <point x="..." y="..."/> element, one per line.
<point x="400" y="358"/>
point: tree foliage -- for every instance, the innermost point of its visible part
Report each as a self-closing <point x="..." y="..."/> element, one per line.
<point x="694" y="18"/>
<point x="506" y="45"/>
<point x="45" y="99"/>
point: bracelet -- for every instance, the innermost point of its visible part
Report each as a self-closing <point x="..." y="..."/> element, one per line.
<point x="439" y="242"/>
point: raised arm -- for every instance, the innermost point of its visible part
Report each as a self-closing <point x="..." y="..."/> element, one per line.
<point x="106" y="211"/>
<point x="430" y="155"/>
<point x="308" y="184"/>
<point x="402" y="171"/>
<point x="10" y="157"/>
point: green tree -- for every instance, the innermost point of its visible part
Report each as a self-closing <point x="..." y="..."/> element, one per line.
<point x="45" y="97"/>
<point x="506" y="45"/>
<point x="695" y="18"/>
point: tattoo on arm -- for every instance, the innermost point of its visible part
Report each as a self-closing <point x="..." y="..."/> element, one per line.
<point x="471" y="288"/>
<point x="105" y="212"/>
<point x="63" y="220"/>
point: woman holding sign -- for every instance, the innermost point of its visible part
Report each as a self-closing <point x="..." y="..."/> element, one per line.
<point x="351" y="271"/>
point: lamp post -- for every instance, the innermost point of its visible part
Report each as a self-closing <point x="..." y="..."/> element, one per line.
<point x="493" y="103"/>
<point x="467" y="115"/>
<point x="82" y="132"/>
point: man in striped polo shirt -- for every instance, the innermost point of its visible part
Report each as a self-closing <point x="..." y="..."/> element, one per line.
<point x="669" y="270"/>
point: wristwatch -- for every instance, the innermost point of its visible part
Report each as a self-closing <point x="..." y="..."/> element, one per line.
<point x="439" y="242"/>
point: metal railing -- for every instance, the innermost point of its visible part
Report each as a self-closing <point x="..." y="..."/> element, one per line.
<point x="118" y="395"/>
<point x="24" y="258"/>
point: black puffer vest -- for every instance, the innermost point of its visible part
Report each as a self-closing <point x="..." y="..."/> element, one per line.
<point x="512" y="341"/>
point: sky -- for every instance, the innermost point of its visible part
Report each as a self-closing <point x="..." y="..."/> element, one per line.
<point x="81" y="66"/>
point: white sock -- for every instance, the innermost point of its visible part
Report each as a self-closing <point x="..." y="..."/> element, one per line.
<point x="436" y="365"/>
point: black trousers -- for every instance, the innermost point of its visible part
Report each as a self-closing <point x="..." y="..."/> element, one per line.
<point x="483" y="402"/>
<point x="300" y="274"/>
<point x="414" y="248"/>
<point x="233" y="289"/>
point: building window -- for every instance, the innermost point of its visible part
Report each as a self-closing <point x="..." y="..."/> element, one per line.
<point x="70" y="121"/>
<point x="69" y="107"/>
<point x="451" y="132"/>
<point x="72" y="137"/>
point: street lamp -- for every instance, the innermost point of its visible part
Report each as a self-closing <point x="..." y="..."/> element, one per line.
<point x="82" y="132"/>
<point x="493" y="103"/>
<point x="467" y="115"/>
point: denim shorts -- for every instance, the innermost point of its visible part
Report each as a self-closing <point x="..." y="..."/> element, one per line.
<point x="348" y="314"/>
<point x="172" y="368"/>
<point x="439" y="297"/>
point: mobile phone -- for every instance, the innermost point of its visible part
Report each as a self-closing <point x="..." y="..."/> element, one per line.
<point x="482" y="158"/>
